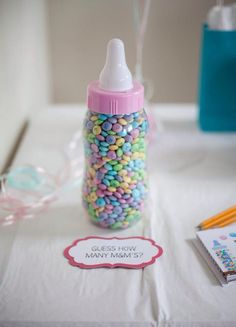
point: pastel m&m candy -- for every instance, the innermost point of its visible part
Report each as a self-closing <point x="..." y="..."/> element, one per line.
<point x="115" y="183"/>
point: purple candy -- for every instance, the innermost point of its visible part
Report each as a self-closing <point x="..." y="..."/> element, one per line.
<point x="100" y="137"/>
<point x="103" y="223"/>
<point x="108" y="193"/>
<point x="120" y="190"/>
<point x="100" y="193"/>
<point x="103" y="215"/>
<point x="111" y="155"/>
<point x="103" y="170"/>
<point x="122" y="200"/>
<point x="102" y="186"/>
<point x="117" y="194"/>
<point x="93" y="159"/>
<point x="110" y="221"/>
<point x="134" y="133"/>
<point x="99" y="175"/>
<point x="119" y="178"/>
<point x="107" y="200"/>
<point x="128" y="138"/>
<point x="117" y="128"/>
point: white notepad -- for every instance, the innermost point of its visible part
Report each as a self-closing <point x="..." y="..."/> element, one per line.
<point x="218" y="247"/>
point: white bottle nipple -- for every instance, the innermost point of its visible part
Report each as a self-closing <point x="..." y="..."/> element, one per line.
<point x="115" y="75"/>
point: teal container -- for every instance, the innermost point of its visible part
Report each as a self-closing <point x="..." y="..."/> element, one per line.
<point x="217" y="83"/>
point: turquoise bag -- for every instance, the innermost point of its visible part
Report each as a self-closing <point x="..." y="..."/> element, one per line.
<point x="217" y="83"/>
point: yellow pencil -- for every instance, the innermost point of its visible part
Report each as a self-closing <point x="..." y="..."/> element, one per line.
<point x="227" y="222"/>
<point x="220" y="217"/>
<point x="219" y="220"/>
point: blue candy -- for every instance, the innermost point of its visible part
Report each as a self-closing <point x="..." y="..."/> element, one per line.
<point x="103" y="149"/>
<point x="113" y="215"/>
<point x="106" y="182"/>
<point x="117" y="210"/>
<point x="111" y="139"/>
<point x="110" y="177"/>
<point x="123" y="132"/>
<point x="89" y="125"/>
<point x="126" y="147"/>
<point x="100" y="202"/>
<point x="105" y="144"/>
<point x="112" y="172"/>
<point x="115" y="203"/>
<point x="106" y="126"/>
<point x="108" y="166"/>
<point x="102" y="117"/>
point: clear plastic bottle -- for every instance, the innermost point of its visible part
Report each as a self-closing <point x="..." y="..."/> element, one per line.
<point x="115" y="128"/>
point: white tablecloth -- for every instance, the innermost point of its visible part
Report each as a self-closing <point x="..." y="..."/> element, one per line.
<point x="192" y="176"/>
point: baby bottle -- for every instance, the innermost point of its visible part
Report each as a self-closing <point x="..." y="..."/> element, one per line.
<point x="115" y="128"/>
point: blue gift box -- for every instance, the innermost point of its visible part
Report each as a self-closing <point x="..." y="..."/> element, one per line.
<point x="217" y="83"/>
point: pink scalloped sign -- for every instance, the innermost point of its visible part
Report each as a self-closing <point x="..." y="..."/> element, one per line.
<point x="129" y="252"/>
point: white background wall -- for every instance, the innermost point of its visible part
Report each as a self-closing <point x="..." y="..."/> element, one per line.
<point x="24" y="69"/>
<point x="80" y="29"/>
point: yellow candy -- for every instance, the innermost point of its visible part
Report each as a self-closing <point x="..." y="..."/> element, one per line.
<point x="122" y="172"/>
<point x="113" y="147"/>
<point x="124" y="185"/>
<point x="111" y="189"/>
<point x="123" y="162"/>
<point x="93" y="118"/>
<point x="122" y="121"/>
<point x="97" y="130"/>
<point x="140" y="120"/>
<point x="98" y="210"/>
<point x="127" y="179"/>
<point x="135" y="141"/>
<point x="92" y="172"/>
<point x="142" y="155"/>
<point x="135" y="155"/>
<point x="89" y="183"/>
<point x="93" y="196"/>
<point x="126" y="158"/>
<point x="105" y="159"/>
<point x="127" y="190"/>
<point x="120" y="141"/>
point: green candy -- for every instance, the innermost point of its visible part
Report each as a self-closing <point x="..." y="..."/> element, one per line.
<point x="135" y="147"/>
<point x="111" y="133"/>
<point x="98" y="122"/>
<point x="118" y="167"/>
<point x="113" y="162"/>
<point x="116" y="225"/>
<point x="115" y="183"/>
<point x="119" y="152"/>
<point x="91" y="138"/>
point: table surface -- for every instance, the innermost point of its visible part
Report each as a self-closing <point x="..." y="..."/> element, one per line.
<point x="192" y="176"/>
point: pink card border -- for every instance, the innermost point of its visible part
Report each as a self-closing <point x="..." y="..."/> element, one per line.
<point x="109" y="265"/>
